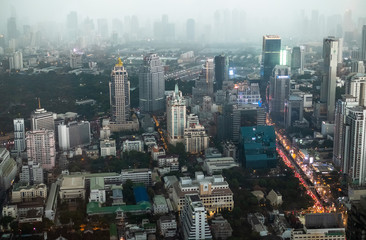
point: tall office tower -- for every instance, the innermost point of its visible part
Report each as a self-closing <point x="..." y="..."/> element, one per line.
<point x="279" y="91"/>
<point x="41" y="119"/>
<point x="194" y="219"/>
<point x="8" y="169"/>
<point x="12" y="28"/>
<point x="41" y="148"/>
<point x="195" y="136"/>
<point x="119" y="94"/>
<point x="271" y="53"/>
<point x="19" y="135"/>
<point x="164" y="30"/>
<point x="152" y="84"/>
<point x="176" y="116"/>
<point x="190" y="30"/>
<point x="357" y="66"/>
<point x="356" y="87"/>
<point x="103" y="27"/>
<point x="285" y="56"/>
<point x="297" y="59"/>
<point x="329" y="83"/>
<point x="76" y="58"/>
<point x="31" y="174"/>
<point x="204" y="84"/>
<point x="16" y="61"/>
<point x="342" y="110"/>
<point x="354" y="145"/>
<point x="363" y="44"/>
<point x="294" y="110"/>
<point x="73" y="134"/>
<point x="221" y="71"/>
<point x="72" y="25"/>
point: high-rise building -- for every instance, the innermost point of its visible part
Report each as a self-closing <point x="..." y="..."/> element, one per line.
<point x="342" y="110"/>
<point x="204" y="84"/>
<point x="8" y="169"/>
<point x="354" y="145"/>
<point x="357" y="66"/>
<point x="194" y="219"/>
<point x="356" y="220"/>
<point x="31" y="174"/>
<point x="76" y="59"/>
<point x="363" y="44"/>
<point x="73" y="134"/>
<point x="279" y="91"/>
<point x="329" y="82"/>
<point x="102" y="24"/>
<point x="294" y="110"/>
<point x="190" y="30"/>
<point x="16" y="61"/>
<point x="152" y="84"/>
<point x="176" y="116"/>
<point x="221" y="71"/>
<point x="297" y="59"/>
<point x="271" y="54"/>
<point x="41" y="148"/>
<point x="72" y="25"/>
<point x="195" y="136"/>
<point x="12" y="28"/>
<point x="356" y="86"/>
<point x="19" y="135"/>
<point x="119" y="93"/>
<point x="41" y="119"/>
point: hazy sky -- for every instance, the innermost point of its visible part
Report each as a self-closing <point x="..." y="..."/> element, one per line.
<point x="40" y="10"/>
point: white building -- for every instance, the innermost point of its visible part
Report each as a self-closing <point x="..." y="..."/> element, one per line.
<point x="108" y="148"/>
<point x="275" y="198"/>
<point x="216" y="165"/>
<point x="142" y="175"/>
<point x="31" y="173"/>
<point x="16" y="61"/>
<point x="194" y="219"/>
<point x="170" y="161"/>
<point x="41" y="148"/>
<point x="72" y="188"/>
<point x="41" y="119"/>
<point x="214" y="192"/>
<point x="195" y="138"/>
<point x="97" y="191"/>
<point x="167" y="226"/>
<point x="132" y="145"/>
<point x="160" y="206"/>
<point x="25" y="193"/>
<point x="176" y="116"/>
<point x="157" y="151"/>
<point x="76" y="59"/>
<point x="19" y="135"/>
<point x="8" y="169"/>
<point x="105" y="132"/>
<point x="73" y="134"/>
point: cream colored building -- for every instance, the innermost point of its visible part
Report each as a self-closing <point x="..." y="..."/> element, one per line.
<point x="213" y="190"/>
<point x="72" y="188"/>
<point x="25" y="193"/>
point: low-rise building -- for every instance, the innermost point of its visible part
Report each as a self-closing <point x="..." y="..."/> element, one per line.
<point x="10" y="211"/>
<point x="31" y="174"/>
<point x="157" y="151"/>
<point x="275" y="198"/>
<point x="216" y="165"/>
<point x="26" y="193"/>
<point x="160" y="206"/>
<point x="214" y="192"/>
<point x="256" y="220"/>
<point x="132" y="145"/>
<point x="51" y="204"/>
<point x="170" y="161"/>
<point x="167" y="226"/>
<point x="29" y="212"/>
<point x="107" y="147"/>
<point x="142" y="175"/>
<point x="221" y="228"/>
<point x="72" y="188"/>
<point x="97" y="191"/>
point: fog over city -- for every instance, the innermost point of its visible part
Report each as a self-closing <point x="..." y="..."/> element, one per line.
<point x="213" y="21"/>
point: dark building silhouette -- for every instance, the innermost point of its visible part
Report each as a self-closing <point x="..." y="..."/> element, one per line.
<point x="221" y="71"/>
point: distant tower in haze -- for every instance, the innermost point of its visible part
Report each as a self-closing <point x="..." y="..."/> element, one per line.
<point x="191" y="29"/>
<point x="152" y="84"/>
<point x="329" y="83"/>
<point x="297" y="59"/>
<point x="363" y="44"/>
<point x="12" y="28"/>
<point x="72" y="25"/>
<point x="271" y="54"/>
<point x="19" y="135"/>
<point x="221" y="71"/>
<point x="119" y="92"/>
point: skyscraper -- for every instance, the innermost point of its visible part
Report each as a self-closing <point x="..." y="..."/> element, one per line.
<point x="41" y="119"/>
<point x="194" y="219"/>
<point x="16" y="61"/>
<point x="12" y="28"/>
<point x="271" y="53"/>
<point x="41" y="147"/>
<point x="119" y="93"/>
<point x="19" y="135"/>
<point x="328" y="86"/>
<point x="151" y="84"/>
<point x="73" y="134"/>
<point x="72" y="25"/>
<point x="190" y="30"/>
<point x="363" y="44"/>
<point x="176" y="116"/>
<point x="279" y="91"/>
<point x="297" y="59"/>
<point x="204" y="84"/>
<point x="221" y="71"/>
<point x="195" y="136"/>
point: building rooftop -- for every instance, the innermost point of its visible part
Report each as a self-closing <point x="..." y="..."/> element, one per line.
<point x="72" y="182"/>
<point x="51" y="196"/>
<point x="140" y="194"/>
<point x="323" y="220"/>
<point x="96" y="183"/>
<point x="95" y="208"/>
<point x="159" y="200"/>
<point x="20" y="186"/>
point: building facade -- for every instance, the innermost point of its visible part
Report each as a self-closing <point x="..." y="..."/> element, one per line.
<point x="73" y="134"/>
<point x="19" y="135"/>
<point x="221" y="71"/>
<point x="142" y="175"/>
<point x="8" y="169"/>
<point x="151" y="84"/>
<point x="176" y="116"/>
<point x="41" y="119"/>
<point x="31" y="174"/>
<point x="41" y="148"/>
<point x="279" y="91"/>
<point x="204" y="83"/>
<point x="271" y="53"/>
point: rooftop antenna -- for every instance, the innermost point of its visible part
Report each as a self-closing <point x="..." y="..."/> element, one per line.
<point x="39" y="103"/>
